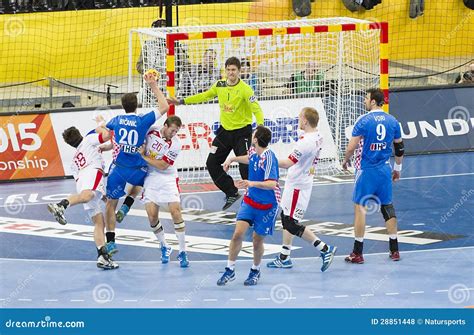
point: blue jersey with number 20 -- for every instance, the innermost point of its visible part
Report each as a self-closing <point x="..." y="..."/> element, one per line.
<point x="129" y="134"/>
<point x="378" y="130"/>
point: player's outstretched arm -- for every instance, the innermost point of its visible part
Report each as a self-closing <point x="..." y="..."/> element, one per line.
<point x="264" y="185"/>
<point x="351" y="147"/>
<point x="285" y="163"/>
<point x="195" y="99"/>
<point x="163" y="105"/>
<point x="239" y="159"/>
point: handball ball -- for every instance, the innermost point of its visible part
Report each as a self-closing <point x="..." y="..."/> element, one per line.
<point x="153" y="72"/>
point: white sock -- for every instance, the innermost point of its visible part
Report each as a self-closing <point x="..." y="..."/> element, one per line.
<point x="181" y="241"/>
<point x="359" y="239"/>
<point x="256" y="267"/>
<point x="231" y="264"/>
<point x="393" y="237"/>
<point x="320" y="245"/>
<point x="160" y="235"/>
<point x="286" y="250"/>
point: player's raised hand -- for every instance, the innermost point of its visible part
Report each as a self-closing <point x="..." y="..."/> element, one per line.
<point x="226" y="165"/>
<point x="151" y="76"/>
<point x="395" y="175"/>
<point x="345" y="164"/>
<point x="242" y="183"/>
<point x="141" y="150"/>
<point x="173" y="101"/>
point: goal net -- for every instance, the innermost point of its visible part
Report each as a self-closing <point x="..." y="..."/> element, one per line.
<point x="323" y="63"/>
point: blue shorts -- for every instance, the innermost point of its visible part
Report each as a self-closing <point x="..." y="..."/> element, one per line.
<point x="262" y="220"/>
<point x="119" y="176"/>
<point x="373" y="184"/>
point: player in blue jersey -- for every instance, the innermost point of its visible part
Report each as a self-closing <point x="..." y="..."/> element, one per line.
<point x="260" y="204"/>
<point x="128" y="166"/>
<point x="373" y="134"/>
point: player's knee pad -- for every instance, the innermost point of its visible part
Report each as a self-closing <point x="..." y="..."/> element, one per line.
<point x="292" y="225"/>
<point x="388" y="212"/>
<point x="179" y="225"/>
<point x="157" y="227"/>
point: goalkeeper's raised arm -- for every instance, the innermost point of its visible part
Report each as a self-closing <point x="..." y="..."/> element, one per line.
<point x="238" y="105"/>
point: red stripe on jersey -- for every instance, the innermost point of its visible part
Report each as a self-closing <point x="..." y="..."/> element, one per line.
<point x="167" y="160"/>
<point x="98" y="178"/>
<point x="255" y="204"/>
<point x="294" y="201"/>
<point x="293" y="159"/>
<point x="177" y="184"/>
<point x="101" y="138"/>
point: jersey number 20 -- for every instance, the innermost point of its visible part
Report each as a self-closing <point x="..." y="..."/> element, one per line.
<point x="128" y="137"/>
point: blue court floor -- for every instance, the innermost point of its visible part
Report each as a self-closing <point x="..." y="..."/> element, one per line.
<point x="43" y="264"/>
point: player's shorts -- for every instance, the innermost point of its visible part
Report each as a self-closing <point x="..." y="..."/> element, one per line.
<point x="161" y="189"/>
<point x="295" y="200"/>
<point x="373" y="184"/>
<point x="90" y="179"/>
<point x="262" y="220"/>
<point x="119" y="176"/>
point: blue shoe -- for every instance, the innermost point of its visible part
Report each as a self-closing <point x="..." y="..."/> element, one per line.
<point x="253" y="278"/>
<point x="165" y="254"/>
<point x="122" y="213"/>
<point x="229" y="275"/>
<point x="279" y="263"/>
<point x="183" y="259"/>
<point x="327" y="257"/>
<point x="111" y="248"/>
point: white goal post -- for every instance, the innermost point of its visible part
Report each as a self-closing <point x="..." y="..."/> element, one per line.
<point x="323" y="63"/>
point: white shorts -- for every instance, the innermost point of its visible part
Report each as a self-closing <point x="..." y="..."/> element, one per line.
<point x="294" y="201"/>
<point x="161" y="189"/>
<point x="92" y="179"/>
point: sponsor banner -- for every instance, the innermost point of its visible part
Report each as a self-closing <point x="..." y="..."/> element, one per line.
<point x="199" y="125"/>
<point x="137" y="238"/>
<point x="435" y="120"/>
<point x="28" y="148"/>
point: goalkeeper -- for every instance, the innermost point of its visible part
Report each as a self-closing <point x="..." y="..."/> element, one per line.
<point x="237" y="103"/>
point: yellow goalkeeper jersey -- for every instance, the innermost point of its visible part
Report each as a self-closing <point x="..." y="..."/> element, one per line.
<point x="237" y="104"/>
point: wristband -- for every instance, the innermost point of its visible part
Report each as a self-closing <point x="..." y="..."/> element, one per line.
<point x="397" y="167"/>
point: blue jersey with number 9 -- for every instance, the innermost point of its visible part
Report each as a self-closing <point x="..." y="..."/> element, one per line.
<point x="129" y="134"/>
<point x="378" y="130"/>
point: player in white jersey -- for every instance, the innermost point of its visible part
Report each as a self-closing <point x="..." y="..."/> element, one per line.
<point x="161" y="184"/>
<point x="88" y="170"/>
<point x="301" y="164"/>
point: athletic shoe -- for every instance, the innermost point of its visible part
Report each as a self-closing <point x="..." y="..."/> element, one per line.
<point x="355" y="258"/>
<point x="111" y="248"/>
<point x="165" y="254"/>
<point x="253" y="278"/>
<point x="183" y="259"/>
<point x="58" y="212"/>
<point x="229" y="201"/>
<point x="106" y="262"/>
<point x="122" y="213"/>
<point x="279" y="263"/>
<point x="229" y="275"/>
<point x="327" y="257"/>
<point x="394" y="255"/>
